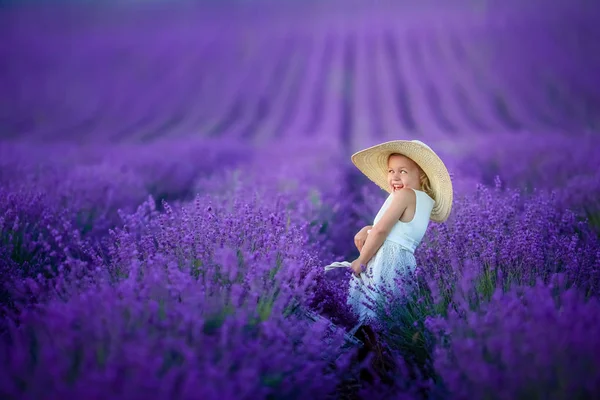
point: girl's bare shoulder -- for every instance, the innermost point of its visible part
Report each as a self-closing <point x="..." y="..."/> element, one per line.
<point x="404" y="195"/>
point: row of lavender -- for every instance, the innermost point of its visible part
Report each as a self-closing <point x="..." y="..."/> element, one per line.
<point x="378" y="74"/>
<point x="118" y="295"/>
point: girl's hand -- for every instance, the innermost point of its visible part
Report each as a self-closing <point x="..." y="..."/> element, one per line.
<point x="361" y="237"/>
<point x="356" y="267"/>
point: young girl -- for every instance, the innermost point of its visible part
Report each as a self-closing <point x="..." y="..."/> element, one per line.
<point x="420" y="190"/>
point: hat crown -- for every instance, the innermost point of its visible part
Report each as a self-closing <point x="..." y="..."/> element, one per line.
<point x="422" y="144"/>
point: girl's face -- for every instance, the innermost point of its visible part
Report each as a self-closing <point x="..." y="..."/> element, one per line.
<point x="403" y="172"/>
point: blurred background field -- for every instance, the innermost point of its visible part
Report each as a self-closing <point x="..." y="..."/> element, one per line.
<point x="354" y="72"/>
<point x="174" y="174"/>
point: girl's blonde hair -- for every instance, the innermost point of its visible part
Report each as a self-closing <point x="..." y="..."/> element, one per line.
<point x="425" y="184"/>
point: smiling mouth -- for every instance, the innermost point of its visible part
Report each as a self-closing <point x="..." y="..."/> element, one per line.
<point x="397" y="187"/>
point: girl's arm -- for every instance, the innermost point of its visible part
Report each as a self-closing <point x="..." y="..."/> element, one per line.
<point x="361" y="237"/>
<point x="400" y="202"/>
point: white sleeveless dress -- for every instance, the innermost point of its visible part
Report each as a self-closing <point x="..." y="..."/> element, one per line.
<point x="394" y="258"/>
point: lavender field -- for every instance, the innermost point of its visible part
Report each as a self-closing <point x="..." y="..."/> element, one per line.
<point x="175" y="175"/>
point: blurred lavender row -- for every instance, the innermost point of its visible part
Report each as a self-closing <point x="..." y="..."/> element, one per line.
<point x="90" y="73"/>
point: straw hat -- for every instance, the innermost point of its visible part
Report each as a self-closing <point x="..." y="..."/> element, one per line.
<point x="373" y="162"/>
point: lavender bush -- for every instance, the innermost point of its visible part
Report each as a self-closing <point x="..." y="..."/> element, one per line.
<point x="537" y="341"/>
<point x="58" y="200"/>
<point x="36" y="240"/>
<point x="181" y="290"/>
<point x="97" y="180"/>
<point x="565" y="164"/>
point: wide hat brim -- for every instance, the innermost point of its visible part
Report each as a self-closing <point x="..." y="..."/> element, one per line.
<point x="373" y="162"/>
